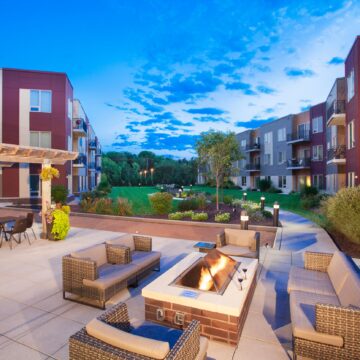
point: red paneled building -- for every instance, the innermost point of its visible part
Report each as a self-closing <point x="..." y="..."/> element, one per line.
<point x="36" y="109"/>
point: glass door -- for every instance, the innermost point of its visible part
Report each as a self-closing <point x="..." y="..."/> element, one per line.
<point x="34" y="185"/>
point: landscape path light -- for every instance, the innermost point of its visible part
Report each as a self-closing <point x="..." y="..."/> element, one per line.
<point x="244" y="220"/>
<point x="262" y="203"/>
<point x="276" y="214"/>
<point x="244" y="196"/>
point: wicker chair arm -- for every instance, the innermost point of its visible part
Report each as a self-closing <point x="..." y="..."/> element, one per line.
<point x="117" y="316"/>
<point x="118" y="254"/>
<point x="188" y="345"/>
<point x="79" y="268"/>
<point x="317" y="261"/>
<point x="220" y="239"/>
<point x="142" y="243"/>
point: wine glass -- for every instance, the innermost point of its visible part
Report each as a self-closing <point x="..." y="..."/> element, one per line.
<point x="244" y="271"/>
<point x="240" y="281"/>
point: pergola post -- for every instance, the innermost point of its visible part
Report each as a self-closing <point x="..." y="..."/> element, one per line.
<point x="45" y="199"/>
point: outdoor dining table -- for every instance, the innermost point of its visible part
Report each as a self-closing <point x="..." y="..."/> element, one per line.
<point x="5" y="220"/>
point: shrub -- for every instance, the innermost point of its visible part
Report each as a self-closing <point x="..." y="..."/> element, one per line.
<point x="228" y="199"/>
<point x="95" y="194"/>
<point x="222" y="217"/>
<point x="122" y="207"/>
<point x="237" y="202"/>
<point x="202" y="216"/>
<point x="274" y="190"/>
<point x="104" y="185"/>
<point x="103" y="206"/>
<point x="309" y="202"/>
<point x="202" y="202"/>
<point x="66" y="209"/>
<point x="86" y="204"/>
<point x="264" y="184"/>
<point x="188" y="213"/>
<point x="176" y="216"/>
<point x="250" y="206"/>
<point x="161" y="203"/>
<point x="213" y="199"/>
<point x="189" y="204"/>
<point x="343" y="212"/>
<point x="60" y="224"/>
<point x="59" y="193"/>
<point x="267" y="214"/>
<point x="308" y="191"/>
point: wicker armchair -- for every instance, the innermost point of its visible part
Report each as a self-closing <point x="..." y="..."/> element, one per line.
<point x="82" y="346"/>
<point x="325" y="307"/>
<point x="99" y="272"/>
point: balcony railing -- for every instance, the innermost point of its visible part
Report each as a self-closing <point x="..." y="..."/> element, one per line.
<point x="253" y="147"/>
<point x="80" y="160"/>
<point x="298" y="163"/>
<point x="336" y="108"/>
<point x="79" y="124"/>
<point x="98" y="168"/>
<point x="92" y="144"/>
<point x="252" y="167"/>
<point x="91" y="165"/>
<point x="298" y="136"/>
<point x="337" y="153"/>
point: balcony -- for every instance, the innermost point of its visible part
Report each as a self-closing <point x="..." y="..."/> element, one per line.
<point x="79" y="127"/>
<point x="98" y="168"/>
<point x="92" y="144"/>
<point x="298" y="137"/>
<point x="80" y="161"/>
<point x="91" y="165"/>
<point x="252" y="167"/>
<point x="337" y="155"/>
<point x="298" y="164"/>
<point x="252" y="148"/>
<point x="335" y="114"/>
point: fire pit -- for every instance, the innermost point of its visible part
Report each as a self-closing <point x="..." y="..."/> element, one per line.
<point x="212" y="272"/>
<point x="204" y="287"/>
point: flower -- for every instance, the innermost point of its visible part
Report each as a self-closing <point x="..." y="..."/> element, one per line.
<point x="47" y="173"/>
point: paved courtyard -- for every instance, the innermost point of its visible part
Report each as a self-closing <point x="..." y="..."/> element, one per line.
<point x="35" y="322"/>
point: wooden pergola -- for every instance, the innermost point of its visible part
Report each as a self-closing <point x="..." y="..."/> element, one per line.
<point x="10" y="154"/>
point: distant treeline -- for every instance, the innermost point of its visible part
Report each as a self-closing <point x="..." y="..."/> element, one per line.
<point x="146" y="168"/>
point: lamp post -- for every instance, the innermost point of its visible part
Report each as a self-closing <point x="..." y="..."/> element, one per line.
<point x="152" y="174"/>
<point x="140" y="174"/>
<point x="276" y="214"/>
<point x="244" y="220"/>
<point x="145" y="172"/>
<point x="244" y="196"/>
<point x="262" y="203"/>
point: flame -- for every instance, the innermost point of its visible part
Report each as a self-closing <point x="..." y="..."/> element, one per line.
<point x="206" y="281"/>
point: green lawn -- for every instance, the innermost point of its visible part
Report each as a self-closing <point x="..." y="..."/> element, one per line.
<point x="141" y="205"/>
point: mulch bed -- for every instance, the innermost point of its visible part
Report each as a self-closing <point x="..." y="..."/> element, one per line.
<point x="345" y="245"/>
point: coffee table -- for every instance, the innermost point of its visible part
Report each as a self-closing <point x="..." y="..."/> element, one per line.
<point x="205" y="247"/>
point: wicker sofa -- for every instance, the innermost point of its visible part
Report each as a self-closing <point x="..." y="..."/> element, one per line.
<point x="325" y="307"/>
<point x="234" y="242"/>
<point x="111" y="336"/>
<point x="97" y="273"/>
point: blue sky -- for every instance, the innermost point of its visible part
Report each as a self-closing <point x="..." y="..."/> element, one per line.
<point x="153" y="74"/>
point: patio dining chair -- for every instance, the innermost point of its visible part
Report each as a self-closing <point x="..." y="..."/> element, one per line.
<point x="19" y="228"/>
<point x="30" y="222"/>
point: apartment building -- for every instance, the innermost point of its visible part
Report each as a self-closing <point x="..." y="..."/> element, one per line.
<point x="37" y="108"/>
<point x="319" y="147"/>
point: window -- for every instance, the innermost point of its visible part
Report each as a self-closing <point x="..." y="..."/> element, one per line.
<point x="303" y="131"/>
<point x="40" y="101"/>
<point x="317" y="125"/>
<point x="268" y="148"/>
<point x="318" y="181"/>
<point x="282" y="157"/>
<point x="243" y="181"/>
<point x="40" y="139"/>
<point x="317" y="153"/>
<point x="282" y="134"/>
<point x="242" y="163"/>
<point x="351" y="135"/>
<point x="282" y="182"/>
<point x="350" y="85"/>
<point x="351" y="179"/>
<point x="70" y="109"/>
<point x="243" y="143"/>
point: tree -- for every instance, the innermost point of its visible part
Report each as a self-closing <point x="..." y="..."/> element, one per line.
<point x="217" y="151"/>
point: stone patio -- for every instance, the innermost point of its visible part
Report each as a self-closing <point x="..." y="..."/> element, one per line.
<point x="35" y="322"/>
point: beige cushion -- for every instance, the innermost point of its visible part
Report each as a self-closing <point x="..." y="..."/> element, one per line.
<point x="338" y="270"/>
<point x="204" y="343"/>
<point x="233" y="250"/>
<point x="124" y="240"/>
<point x="96" y="253"/>
<point x="111" y="275"/>
<point x="127" y="341"/>
<point x="302" y="310"/>
<point x="350" y="291"/>
<point x="144" y="258"/>
<point x="310" y="281"/>
<point x="240" y="237"/>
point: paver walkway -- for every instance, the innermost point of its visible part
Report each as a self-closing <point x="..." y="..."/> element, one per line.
<point x="35" y="322"/>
